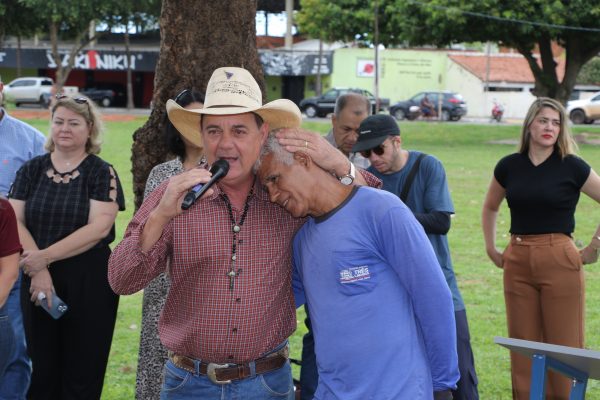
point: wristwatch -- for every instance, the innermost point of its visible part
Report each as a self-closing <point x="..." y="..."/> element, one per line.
<point x="348" y="179"/>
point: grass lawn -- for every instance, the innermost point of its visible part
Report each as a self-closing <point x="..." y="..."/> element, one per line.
<point x="469" y="159"/>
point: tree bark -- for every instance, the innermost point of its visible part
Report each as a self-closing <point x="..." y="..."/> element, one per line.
<point x="195" y="40"/>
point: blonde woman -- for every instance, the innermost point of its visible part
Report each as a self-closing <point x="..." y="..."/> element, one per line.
<point x="543" y="276"/>
<point x="66" y="202"/>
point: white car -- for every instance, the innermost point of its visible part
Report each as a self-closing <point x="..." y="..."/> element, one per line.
<point x="584" y="111"/>
<point x="29" y="90"/>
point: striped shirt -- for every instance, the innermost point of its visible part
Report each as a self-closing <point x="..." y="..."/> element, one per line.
<point x="19" y="143"/>
<point x="203" y="318"/>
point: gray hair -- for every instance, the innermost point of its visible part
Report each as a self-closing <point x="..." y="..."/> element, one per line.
<point x="272" y="146"/>
<point x="343" y="100"/>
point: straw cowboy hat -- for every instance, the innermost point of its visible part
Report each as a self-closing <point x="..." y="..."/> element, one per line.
<point x="232" y="90"/>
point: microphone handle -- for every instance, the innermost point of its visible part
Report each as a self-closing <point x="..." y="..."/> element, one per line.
<point x="193" y="195"/>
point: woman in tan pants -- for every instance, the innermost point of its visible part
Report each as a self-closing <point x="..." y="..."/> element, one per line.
<point x="543" y="279"/>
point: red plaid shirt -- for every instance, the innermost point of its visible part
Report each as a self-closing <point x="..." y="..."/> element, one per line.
<point x="202" y="318"/>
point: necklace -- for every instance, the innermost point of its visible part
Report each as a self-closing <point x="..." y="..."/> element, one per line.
<point x="236" y="227"/>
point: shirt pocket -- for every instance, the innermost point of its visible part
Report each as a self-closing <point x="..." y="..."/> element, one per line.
<point x="355" y="272"/>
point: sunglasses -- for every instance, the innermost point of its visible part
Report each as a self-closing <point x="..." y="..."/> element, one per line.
<point x="379" y="150"/>
<point x="78" y="100"/>
<point x="181" y="95"/>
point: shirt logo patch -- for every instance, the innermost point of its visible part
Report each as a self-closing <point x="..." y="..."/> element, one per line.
<point x="355" y="274"/>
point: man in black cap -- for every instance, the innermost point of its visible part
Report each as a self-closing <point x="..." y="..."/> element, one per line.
<point x="420" y="181"/>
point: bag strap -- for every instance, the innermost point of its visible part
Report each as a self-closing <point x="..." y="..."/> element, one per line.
<point x="411" y="177"/>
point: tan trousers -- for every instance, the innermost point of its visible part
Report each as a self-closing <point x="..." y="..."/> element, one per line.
<point x="544" y="295"/>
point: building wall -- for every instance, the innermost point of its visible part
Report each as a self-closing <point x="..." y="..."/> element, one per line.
<point x="480" y="102"/>
<point x="403" y="73"/>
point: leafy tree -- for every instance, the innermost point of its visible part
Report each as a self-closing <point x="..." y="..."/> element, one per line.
<point x="590" y="73"/>
<point x="529" y="26"/>
<point x="69" y="20"/>
<point x="139" y="13"/>
<point x="16" y="19"/>
<point x="194" y="42"/>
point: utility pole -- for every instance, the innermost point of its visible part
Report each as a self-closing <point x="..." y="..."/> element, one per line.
<point x="376" y="43"/>
<point x="289" y="16"/>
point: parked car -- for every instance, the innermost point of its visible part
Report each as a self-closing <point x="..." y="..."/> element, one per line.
<point x="106" y="94"/>
<point x="103" y="97"/>
<point x="584" y="111"/>
<point x="320" y="106"/>
<point x="453" y="105"/>
<point x="33" y="90"/>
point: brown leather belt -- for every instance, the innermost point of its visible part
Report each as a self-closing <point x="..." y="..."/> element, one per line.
<point x="225" y="373"/>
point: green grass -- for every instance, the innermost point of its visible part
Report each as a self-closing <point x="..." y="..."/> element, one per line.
<point x="469" y="160"/>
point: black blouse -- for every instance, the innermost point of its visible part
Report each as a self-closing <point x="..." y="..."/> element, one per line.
<point x="542" y="199"/>
<point x="53" y="208"/>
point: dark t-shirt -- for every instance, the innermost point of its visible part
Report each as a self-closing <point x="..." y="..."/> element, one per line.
<point x="542" y="199"/>
<point x="55" y="210"/>
<point x="8" y="230"/>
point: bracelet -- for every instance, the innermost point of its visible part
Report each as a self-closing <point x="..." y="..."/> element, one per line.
<point x="595" y="248"/>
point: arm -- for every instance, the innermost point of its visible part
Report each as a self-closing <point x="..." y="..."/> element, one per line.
<point x="493" y="199"/>
<point x="101" y="218"/>
<point x="415" y="263"/>
<point x="436" y="201"/>
<point x="9" y="271"/>
<point x="434" y="222"/>
<point x="591" y="187"/>
<point x="40" y="281"/>
<point x="142" y="254"/>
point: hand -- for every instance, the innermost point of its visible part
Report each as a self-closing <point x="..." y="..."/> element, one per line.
<point x="317" y="147"/>
<point x="496" y="257"/>
<point x="41" y="283"/>
<point x="442" y="395"/>
<point x="589" y="254"/>
<point x="178" y="186"/>
<point x="33" y="261"/>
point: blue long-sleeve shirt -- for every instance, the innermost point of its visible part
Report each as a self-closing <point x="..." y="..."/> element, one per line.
<point x="381" y="311"/>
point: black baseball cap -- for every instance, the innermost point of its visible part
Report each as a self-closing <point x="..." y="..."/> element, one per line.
<point x="374" y="130"/>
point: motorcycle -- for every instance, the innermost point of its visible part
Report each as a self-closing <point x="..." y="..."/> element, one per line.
<point x="415" y="112"/>
<point x="497" y="112"/>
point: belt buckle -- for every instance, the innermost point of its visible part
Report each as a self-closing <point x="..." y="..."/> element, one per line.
<point x="212" y="373"/>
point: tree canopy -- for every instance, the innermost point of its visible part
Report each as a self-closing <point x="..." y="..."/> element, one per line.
<point x="528" y="26"/>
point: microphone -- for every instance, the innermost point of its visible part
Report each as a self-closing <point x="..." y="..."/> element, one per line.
<point x="218" y="170"/>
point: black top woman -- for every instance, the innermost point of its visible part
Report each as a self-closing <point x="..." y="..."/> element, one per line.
<point x="543" y="278"/>
<point x="66" y="203"/>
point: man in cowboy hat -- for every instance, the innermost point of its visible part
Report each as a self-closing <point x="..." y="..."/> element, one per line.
<point x="230" y="308"/>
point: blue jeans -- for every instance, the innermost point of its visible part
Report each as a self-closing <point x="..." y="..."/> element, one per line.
<point x="7" y="340"/>
<point x="15" y="380"/>
<point x="180" y="384"/>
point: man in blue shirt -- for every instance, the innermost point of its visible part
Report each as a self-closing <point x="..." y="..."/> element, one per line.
<point x="19" y="143"/>
<point x="429" y="199"/>
<point x="381" y="311"/>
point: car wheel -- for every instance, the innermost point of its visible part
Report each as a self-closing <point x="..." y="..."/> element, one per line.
<point x="105" y="102"/>
<point x="577" y="116"/>
<point x="399" y="114"/>
<point x="310" y="111"/>
<point x="445" y="115"/>
<point x="589" y="121"/>
<point x="455" y="118"/>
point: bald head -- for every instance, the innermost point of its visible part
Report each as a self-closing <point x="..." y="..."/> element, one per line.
<point x="358" y="104"/>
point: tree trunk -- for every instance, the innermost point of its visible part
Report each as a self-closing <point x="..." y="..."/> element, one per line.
<point x="128" y="65"/>
<point x="194" y="42"/>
